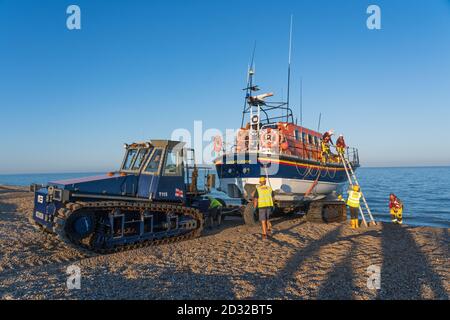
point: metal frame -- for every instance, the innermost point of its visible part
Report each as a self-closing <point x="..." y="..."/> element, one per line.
<point x="112" y="218"/>
<point x="144" y="217"/>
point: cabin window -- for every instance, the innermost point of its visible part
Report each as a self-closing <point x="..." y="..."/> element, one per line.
<point x="310" y="139"/>
<point x="172" y="166"/>
<point x="316" y="141"/>
<point x="304" y="137"/>
<point x="153" y="164"/>
<point x="139" y="159"/>
<point x="297" y="135"/>
<point x="131" y="153"/>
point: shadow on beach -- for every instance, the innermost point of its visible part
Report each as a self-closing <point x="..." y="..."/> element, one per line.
<point x="276" y="289"/>
<point x="406" y="271"/>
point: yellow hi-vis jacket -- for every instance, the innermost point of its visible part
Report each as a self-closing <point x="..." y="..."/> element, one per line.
<point x="353" y="199"/>
<point x="325" y="147"/>
<point x="264" y="196"/>
<point x="214" y="203"/>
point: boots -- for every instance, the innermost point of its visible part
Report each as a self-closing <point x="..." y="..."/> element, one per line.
<point x="354" y="223"/>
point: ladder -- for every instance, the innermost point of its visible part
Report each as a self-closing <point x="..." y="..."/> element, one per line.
<point x="353" y="181"/>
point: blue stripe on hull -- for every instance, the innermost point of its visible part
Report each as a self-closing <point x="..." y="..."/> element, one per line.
<point x="254" y="170"/>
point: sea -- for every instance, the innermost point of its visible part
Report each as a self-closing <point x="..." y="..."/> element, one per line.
<point x="425" y="191"/>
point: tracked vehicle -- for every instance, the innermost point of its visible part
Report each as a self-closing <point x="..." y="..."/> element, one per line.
<point x="153" y="198"/>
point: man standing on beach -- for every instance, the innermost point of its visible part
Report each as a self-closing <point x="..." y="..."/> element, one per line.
<point x="263" y="200"/>
<point x="353" y="202"/>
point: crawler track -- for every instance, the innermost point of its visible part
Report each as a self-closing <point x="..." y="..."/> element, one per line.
<point x="108" y="206"/>
<point x="326" y="211"/>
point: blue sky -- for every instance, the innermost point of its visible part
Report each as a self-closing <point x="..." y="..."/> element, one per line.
<point x="140" y="69"/>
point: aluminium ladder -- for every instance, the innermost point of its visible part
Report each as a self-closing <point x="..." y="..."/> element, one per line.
<point x="354" y="181"/>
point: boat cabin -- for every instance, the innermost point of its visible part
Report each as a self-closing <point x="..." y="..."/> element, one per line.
<point x="282" y="138"/>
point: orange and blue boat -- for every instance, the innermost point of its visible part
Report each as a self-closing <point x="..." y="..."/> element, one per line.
<point x="271" y="144"/>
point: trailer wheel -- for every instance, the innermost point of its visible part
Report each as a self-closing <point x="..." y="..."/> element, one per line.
<point x="249" y="214"/>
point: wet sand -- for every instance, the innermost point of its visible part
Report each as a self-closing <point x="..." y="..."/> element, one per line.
<point x="301" y="261"/>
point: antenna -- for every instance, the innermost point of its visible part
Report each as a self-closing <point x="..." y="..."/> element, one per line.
<point x="301" y="101"/>
<point x="289" y="70"/>
<point x="250" y="72"/>
<point x="318" y="126"/>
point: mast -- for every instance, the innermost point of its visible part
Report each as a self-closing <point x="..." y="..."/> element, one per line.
<point x="249" y="84"/>
<point x="301" y="101"/>
<point x="318" y="125"/>
<point x="289" y="71"/>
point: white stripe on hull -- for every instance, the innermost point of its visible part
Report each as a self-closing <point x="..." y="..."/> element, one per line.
<point x="287" y="185"/>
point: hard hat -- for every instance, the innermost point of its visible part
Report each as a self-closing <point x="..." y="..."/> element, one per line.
<point x="355" y="188"/>
<point x="341" y="135"/>
<point x="331" y="132"/>
<point x="262" y="179"/>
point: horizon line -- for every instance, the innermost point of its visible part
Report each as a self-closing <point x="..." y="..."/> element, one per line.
<point x="99" y="171"/>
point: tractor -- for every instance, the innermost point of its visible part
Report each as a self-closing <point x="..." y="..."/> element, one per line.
<point x="153" y="198"/>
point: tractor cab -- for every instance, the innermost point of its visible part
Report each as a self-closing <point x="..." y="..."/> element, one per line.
<point x="158" y="166"/>
<point x="155" y="175"/>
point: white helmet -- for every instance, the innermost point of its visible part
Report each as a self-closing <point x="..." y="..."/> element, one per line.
<point x="331" y="132"/>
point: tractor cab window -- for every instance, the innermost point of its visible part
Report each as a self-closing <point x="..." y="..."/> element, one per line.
<point x="172" y="167"/>
<point x="153" y="164"/>
<point x="140" y="158"/>
<point x="131" y="153"/>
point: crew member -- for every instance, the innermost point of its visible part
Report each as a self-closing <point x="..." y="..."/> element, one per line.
<point x="354" y="195"/>
<point x="325" y="144"/>
<point x="327" y="136"/>
<point x="263" y="200"/>
<point x="396" y="209"/>
<point x="214" y="212"/>
<point x="340" y="145"/>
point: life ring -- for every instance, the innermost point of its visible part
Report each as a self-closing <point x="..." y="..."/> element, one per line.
<point x="241" y="140"/>
<point x="269" y="138"/>
<point x="218" y="143"/>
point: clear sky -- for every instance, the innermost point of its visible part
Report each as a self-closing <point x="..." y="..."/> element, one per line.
<point x="140" y="69"/>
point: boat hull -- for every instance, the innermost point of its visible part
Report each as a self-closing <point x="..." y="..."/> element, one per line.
<point x="285" y="174"/>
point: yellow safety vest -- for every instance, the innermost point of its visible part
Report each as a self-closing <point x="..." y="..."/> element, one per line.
<point x="325" y="147"/>
<point x="264" y="196"/>
<point x="214" y="203"/>
<point x="353" y="199"/>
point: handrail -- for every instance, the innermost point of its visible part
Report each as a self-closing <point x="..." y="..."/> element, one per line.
<point x="301" y="149"/>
